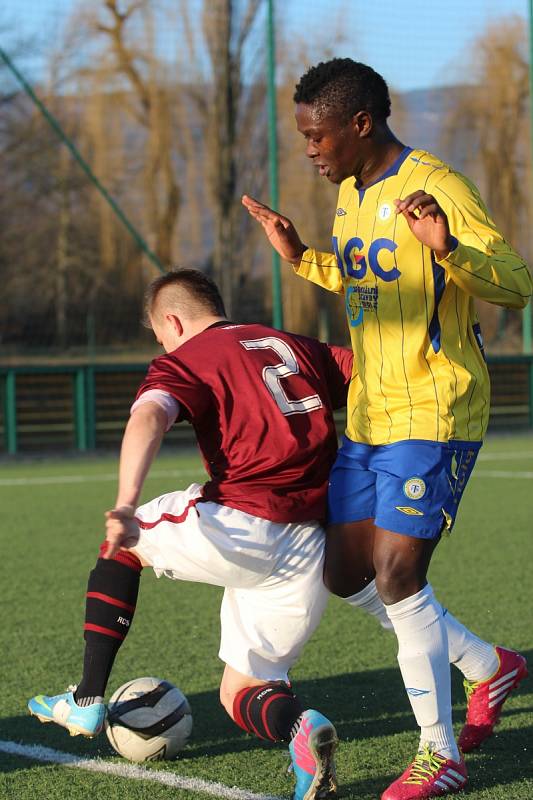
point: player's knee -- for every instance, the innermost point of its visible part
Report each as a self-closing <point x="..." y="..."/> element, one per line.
<point x="345" y="580"/>
<point x="338" y="585"/>
<point x="396" y="584"/>
<point x="348" y="564"/>
<point x="400" y="572"/>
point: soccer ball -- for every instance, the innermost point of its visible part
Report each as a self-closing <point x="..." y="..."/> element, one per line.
<point x="148" y="720"/>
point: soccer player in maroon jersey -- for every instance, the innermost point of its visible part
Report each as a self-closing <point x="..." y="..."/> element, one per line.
<point x="261" y="403"/>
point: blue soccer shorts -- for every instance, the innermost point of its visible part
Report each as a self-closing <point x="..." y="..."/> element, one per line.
<point x="412" y="487"/>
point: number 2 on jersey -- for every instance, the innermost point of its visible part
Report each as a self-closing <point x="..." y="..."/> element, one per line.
<point x="274" y="374"/>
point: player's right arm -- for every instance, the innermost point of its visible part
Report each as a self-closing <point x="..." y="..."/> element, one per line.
<point x="140" y="444"/>
<point x="320" y="268"/>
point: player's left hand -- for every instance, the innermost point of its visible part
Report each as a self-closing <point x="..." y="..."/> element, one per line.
<point x="121" y="530"/>
<point x="427" y="221"/>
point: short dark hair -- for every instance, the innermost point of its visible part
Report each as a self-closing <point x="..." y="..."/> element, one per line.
<point x="201" y="294"/>
<point x="344" y="87"/>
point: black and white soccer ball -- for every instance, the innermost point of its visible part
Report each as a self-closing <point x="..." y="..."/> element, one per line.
<point x="148" y="719"/>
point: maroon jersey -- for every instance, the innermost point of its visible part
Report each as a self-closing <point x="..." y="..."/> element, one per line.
<point x="261" y="403"/>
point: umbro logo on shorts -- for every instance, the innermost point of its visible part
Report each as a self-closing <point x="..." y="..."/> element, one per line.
<point x="411" y="512"/>
<point x="341" y="212"/>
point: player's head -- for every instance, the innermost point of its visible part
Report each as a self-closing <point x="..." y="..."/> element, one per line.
<point x="181" y="303"/>
<point x="340" y="104"/>
<point x="342" y="88"/>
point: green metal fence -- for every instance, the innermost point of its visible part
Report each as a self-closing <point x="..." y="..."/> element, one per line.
<point x="85" y="407"/>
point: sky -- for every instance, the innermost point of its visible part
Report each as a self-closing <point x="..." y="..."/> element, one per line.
<point x="413" y="44"/>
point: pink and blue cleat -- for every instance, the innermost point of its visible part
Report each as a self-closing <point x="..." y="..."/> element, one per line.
<point x="312" y="753"/>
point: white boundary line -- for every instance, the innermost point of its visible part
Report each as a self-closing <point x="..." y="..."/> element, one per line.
<point x="505" y="456"/>
<point x="46" y="480"/>
<point x="50" y="480"/>
<point x="131" y="771"/>
<point x="63" y="479"/>
<point x="500" y="473"/>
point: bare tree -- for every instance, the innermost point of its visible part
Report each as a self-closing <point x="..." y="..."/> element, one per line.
<point x="487" y="134"/>
<point x="149" y="100"/>
<point x="229" y="113"/>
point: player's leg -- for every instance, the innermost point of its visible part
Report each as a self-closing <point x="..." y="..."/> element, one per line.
<point x="267" y="709"/>
<point x="259" y="651"/>
<point x="475" y="658"/>
<point x="413" y="489"/>
<point x="393" y="482"/>
<point x="272" y="711"/>
<point x="349" y="559"/>
<point x="110" y="603"/>
<point x="111" y="600"/>
<point x="418" y="622"/>
<point x="490" y="673"/>
<point x="348" y="563"/>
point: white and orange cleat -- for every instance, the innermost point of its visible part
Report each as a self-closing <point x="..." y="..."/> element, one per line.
<point x="486" y="698"/>
<point x="429" y="775"/>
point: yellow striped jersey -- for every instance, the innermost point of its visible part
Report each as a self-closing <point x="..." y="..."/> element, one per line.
<point x="419" y="370"/>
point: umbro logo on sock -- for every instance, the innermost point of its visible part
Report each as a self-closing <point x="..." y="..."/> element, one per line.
<point x="416" y="692"/>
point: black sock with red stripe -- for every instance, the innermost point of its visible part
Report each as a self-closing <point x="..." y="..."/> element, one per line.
<point x="110" y="605"/>
<point x="270" y="711"/>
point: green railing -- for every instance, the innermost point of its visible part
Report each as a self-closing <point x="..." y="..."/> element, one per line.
<point x="84" y="407"/>
<point x="66" y="407"/>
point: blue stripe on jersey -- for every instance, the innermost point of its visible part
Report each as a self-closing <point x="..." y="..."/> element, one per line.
<point x="438" y="288"/>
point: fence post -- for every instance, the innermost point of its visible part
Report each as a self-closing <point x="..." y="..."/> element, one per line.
<point x="80" y="409"/>
<point x="90" y="407"/>
<point x="10" y="413"/>
<point x="530" y="370"/>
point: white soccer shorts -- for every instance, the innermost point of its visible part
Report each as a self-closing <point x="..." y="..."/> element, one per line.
<point x="272" y="573"/>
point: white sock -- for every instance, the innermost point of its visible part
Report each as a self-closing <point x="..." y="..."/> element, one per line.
<point x="423" y="658"/>
<point x="370" y="601"/>
<point x="475" y="658"/>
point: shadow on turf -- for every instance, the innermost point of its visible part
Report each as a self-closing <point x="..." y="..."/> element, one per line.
<point x="363" y="705"/>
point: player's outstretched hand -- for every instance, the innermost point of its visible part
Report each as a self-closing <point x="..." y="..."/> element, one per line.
<point x="280" y="231"/>
<point x="427" y="221"/>
<point x="121" y="530"/>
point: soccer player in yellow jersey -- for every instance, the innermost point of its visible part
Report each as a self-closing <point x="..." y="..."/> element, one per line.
<point x="413" y="245"/>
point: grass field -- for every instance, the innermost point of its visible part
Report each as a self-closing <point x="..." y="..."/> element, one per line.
<point x="51" y="524"/>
